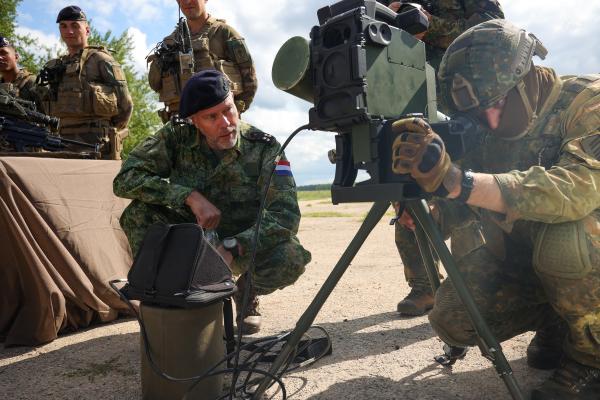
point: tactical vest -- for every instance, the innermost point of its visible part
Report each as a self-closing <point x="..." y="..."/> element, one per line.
<point x="77" y="99"/>
<point x="17" y="85"/>
<point x="170" y="83"/>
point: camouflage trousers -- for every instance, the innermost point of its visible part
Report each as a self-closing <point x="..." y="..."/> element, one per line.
<point x="276" y="267"/>
<point x="546" y="272"/>
<point x="414" y="267"/>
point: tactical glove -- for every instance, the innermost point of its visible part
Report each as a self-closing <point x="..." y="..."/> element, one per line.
<point x="420" y="152"/>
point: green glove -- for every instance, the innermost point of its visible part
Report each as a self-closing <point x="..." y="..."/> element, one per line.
<point x="420" y="152"/>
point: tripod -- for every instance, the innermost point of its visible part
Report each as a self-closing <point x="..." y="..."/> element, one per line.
<point x="428" y="237"/>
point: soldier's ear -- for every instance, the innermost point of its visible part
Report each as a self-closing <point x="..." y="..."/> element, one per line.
<point x="87" y="29"/>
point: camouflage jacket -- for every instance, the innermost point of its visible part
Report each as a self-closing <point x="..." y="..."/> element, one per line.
<point x="168" y="166"/>
<point x="552" y="174"/>
<point x="23" y="86"/>
<point x="216" y="46"/>
<point x="450" y="18"/>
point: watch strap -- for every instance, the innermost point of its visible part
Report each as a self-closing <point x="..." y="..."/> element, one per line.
<point x="466" y="185"/>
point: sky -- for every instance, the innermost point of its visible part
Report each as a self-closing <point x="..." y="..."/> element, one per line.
<point x="570" y="30"/>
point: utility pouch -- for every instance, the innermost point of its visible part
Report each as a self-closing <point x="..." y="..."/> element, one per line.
<point x="115" y="138"/>
<point x="170" y="89"/>
<point x="71" y="103"/>
<point x="202" y="57"/>
<point x="232" y="72"/>
<point x="176" y="266"/>
<point x="561" y="251"/>
<point x="104" y="100"/>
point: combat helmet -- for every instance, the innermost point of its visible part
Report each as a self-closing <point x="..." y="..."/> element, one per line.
<point x="484" y="63"/>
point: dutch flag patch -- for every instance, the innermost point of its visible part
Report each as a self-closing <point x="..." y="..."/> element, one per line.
<point x="283" y="168"/>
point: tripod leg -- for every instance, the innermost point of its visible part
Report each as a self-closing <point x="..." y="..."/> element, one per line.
<point x="490" y="348"/>
<point x="373" y="217"/>
<point x="427" y="256"/>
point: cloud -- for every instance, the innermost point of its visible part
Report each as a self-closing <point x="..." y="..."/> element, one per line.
<point x="140" y="49"/>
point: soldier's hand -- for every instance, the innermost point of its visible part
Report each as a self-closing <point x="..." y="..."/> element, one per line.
<point x="420" y="152"/>
<point x="207" y="215"/>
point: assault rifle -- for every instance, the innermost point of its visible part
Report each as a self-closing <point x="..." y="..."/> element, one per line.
<point x="26" y="129"/>
<point x="177" y="56"/>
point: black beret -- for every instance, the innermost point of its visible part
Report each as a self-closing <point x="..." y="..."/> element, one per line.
<point x="4" y="42"/>
<point x="71" y="13"/>
<point x="205" y="89"/>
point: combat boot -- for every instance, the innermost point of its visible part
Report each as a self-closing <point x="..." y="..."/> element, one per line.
<point x="572" y="381"/>
<point x="418" y="302"/>
<point x="545" y="349"/>
<point x="252" y="318"/>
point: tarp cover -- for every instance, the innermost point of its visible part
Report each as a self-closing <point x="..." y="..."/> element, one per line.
<point x="60" y="244"/>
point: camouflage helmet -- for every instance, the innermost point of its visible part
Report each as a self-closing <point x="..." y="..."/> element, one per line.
<point x="484" y="63"/>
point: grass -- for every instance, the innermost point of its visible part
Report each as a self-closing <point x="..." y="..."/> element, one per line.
<point x="314" y="195"/>
<point x="95" y="370"/>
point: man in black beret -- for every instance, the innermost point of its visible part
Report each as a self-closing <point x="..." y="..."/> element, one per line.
<point x="14" y="80"/>
<point x="86" y="88"/>
<point x="210" y="170"/>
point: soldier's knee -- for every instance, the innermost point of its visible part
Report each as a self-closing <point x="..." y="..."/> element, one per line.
<point x="281" y="266"/>
<point x="449" y="319"/>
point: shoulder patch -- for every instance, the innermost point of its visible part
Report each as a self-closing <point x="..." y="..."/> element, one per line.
<point x="259" y="136"/>
<point x="591" y="145"/>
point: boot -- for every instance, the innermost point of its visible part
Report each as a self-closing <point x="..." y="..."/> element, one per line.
<point x="418" y="302"/>
<point x="252" y="319"/>
<point x="545" y="349"/>
<point x="572" y="381"/>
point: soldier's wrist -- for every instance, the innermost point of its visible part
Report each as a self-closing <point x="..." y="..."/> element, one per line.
<point x="452" y="181"/>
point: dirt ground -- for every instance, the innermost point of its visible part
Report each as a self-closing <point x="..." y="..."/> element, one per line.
<point x="376" y="353"/>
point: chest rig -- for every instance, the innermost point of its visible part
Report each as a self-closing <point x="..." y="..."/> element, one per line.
<point x="15" y="87"/>
<point x="74" y="98"/>
<point x="209" y="53"/>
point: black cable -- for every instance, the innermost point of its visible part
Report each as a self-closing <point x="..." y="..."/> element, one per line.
<point x="254" y="244"/>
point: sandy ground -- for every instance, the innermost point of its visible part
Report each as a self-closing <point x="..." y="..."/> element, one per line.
<point x="376" y="353"/>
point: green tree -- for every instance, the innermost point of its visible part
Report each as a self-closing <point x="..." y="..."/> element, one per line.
<point x="8" y="14"/>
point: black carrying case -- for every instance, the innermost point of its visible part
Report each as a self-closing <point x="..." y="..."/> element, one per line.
<point x="176" y="266"/>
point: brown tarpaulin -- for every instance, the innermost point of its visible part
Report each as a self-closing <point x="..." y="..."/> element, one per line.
<point x="60" y="244"/>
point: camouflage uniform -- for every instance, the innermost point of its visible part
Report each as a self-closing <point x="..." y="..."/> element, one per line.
<point x="449" y="18"/>
<point x="91" y="98"/>
<point x="163" y="170"/>
<point x="23" y="86"/>
<point x="543" y="257"/>
<point x="217" y="46"/>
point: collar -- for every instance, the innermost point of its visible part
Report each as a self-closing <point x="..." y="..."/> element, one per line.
<point x="200" y="141"/>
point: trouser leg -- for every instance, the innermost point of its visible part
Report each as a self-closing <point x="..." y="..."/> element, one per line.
<point x="508" y="295"/>
<point x="276" y="267"/>
<point x="414" y="267"/>
<point x="138" y="216"/>
<point x="567" y="260"/>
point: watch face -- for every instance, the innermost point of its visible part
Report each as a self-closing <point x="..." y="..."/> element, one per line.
<point x="229" y="243"/>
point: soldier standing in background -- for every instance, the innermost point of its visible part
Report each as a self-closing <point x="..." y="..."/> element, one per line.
<point x="215" y="45"/>
<point x="17" y="81"/>
<point x="447" y="20"/>
<point x="86" y="88"/>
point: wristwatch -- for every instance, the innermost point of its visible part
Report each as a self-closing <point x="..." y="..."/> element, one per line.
<point x="466" y="186"/>
<point x="231" y="245"/>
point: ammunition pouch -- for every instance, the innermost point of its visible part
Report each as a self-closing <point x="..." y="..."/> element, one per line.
<point x="103" y="99"/>
<point x="116" y="138"/>
<point x="232" y="72"/>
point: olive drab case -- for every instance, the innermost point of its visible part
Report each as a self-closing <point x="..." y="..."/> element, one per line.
<point x="176" y="266"/>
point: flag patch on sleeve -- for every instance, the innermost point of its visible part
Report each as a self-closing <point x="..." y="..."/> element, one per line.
<point x="283" y="168"/>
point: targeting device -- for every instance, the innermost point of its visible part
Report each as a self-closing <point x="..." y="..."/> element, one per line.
<point x="362" y="70"/>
